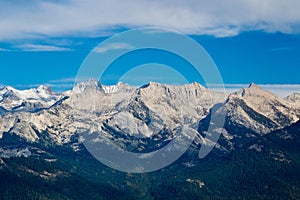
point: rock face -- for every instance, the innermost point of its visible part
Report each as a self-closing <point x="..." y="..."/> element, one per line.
<point x="260" y="110"/>
<point x="250" y="113"/>
<point x="151" y="111"/>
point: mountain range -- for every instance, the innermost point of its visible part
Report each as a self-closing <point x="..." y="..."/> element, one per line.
<point x="41" y="140"/>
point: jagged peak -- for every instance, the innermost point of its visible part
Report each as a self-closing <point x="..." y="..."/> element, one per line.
<point x="156" y="84"/>
<point x="121" y="84"/>
<point x="115" y="88"/>
<point x="196" y="84"/>
<point x="94" y="84"/>
<point x="254" y="90"/>
<point x="254" y="86"/>
<point x="92" y="80"/>
<point x="90" y="83"/>
<point x="150" y="84"/>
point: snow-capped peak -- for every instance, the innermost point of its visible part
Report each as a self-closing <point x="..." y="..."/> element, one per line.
<point x="43" y="89"/>
<point x="31" y="99"/>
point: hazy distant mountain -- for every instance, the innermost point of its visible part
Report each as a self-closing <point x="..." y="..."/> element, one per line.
<point x="31" y="100"/>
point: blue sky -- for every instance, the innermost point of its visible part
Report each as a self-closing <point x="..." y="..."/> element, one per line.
<point x="45" y="42"/>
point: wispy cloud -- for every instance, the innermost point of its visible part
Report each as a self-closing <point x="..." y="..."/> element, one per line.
<point x="37" y="47"/>
<point x="58" y="85"/>
<point x="94" y="17"/>
<point x="112" y="46"/>
<point x="62" y="84"/>
<point x="63" y="80"/>
<point x="1" y="49"/>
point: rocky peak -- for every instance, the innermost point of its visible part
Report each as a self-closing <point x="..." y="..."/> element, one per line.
<point x="253" y="104"/>
<point x="90" y="84"/>
<point x="254" y="86"/>
<point x="253" y="92"/>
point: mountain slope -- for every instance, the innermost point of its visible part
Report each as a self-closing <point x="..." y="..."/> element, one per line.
<point x="252" y="172"/>
<point x="250" y="113"/>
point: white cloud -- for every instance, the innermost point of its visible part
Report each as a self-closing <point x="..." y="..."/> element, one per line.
<point x="58" y="85"/>
<point x="1" y="49"/>
<point x="112" y="46"/>
<point x="94" y="17"/>
<point x="37" y="47"/>
<point x="63" y="80"/>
